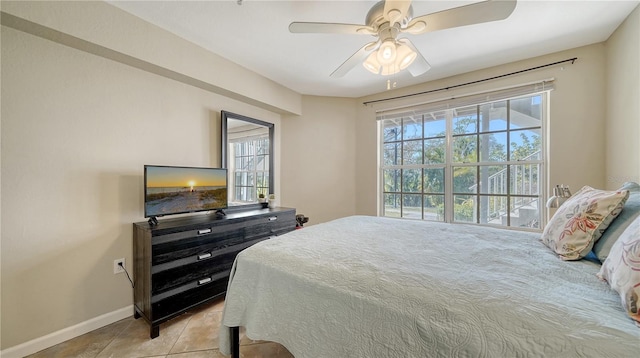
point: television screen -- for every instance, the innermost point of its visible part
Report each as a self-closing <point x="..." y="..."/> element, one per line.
<point x="177" y="190"/>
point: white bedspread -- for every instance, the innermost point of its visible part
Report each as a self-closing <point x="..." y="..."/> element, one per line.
<point x="379" y="287"/>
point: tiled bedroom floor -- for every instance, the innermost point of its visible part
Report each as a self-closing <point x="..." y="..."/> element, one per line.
<point x="191" y="335"/>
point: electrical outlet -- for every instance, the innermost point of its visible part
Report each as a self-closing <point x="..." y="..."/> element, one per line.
<point x="116" y="266"/>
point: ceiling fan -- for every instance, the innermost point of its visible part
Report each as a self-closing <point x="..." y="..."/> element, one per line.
<point x="389" y="54"/>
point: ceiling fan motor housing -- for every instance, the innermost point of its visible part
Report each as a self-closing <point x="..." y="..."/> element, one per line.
<point x="375" y="16"/>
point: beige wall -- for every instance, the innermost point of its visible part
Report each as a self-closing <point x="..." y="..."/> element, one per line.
<point x="78" y="124"/>
<point x="100" y="28"/>
<point x="367" y="158"/>
<point x="318" y="154"/>
<point x="576" y="121"/>
<point x="76" y="132"/>
<point x="623" y="103"/>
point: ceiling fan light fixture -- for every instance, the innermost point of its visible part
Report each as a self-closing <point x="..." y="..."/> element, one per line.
<point x="405" y="56"/>
<point x="372" y="64"/>
<point x="390" y="58"/>
<point x="387" y="52"/>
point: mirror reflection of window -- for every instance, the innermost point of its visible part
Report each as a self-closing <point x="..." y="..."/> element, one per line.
<point x="248" y="153"/>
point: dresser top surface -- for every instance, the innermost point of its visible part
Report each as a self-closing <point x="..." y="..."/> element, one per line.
<point x="212" y="218"/>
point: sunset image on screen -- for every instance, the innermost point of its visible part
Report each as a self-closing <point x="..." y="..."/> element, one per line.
<point x="171" y="190"/>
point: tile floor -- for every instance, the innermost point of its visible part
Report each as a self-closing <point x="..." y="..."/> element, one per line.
<point x="191" y="335"/>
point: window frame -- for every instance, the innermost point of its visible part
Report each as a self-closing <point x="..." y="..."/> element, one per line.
<point x="449" y="165"/>
<point x="255" y="172"/>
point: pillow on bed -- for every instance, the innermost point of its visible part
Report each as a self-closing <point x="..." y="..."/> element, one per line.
<point x="631" y="186"/>
<point x="622" y="269"/>
<point x="581" y="220"/>
<point x="630" y="211"/>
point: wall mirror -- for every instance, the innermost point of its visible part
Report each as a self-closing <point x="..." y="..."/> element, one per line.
<point x="247" y="153"/>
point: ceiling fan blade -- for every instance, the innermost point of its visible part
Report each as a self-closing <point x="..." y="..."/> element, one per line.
<point x="355" y="59"/>
<point x="329" y="28"/>
<point x="485" y="11"/>
<point x="420" y="64"/>
<point x="396" y="10"/>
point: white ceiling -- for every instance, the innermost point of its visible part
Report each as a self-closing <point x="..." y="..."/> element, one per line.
<point x="255" y="35"/>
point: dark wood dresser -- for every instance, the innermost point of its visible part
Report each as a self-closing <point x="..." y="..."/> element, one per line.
<point x="184" y="262"/>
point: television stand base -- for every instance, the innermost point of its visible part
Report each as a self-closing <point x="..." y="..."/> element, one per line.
<point x="153" y="221"/>
<point x="220" y="212"/>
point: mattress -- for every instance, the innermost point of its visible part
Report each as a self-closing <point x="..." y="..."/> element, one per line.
<point x="380" y="287"/>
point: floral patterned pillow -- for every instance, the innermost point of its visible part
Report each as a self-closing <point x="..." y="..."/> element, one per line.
<point x="581" y="220"/>
<point x="621" y="269"/>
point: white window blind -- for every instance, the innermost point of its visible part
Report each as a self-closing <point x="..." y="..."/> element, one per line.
<point x="466" y="100"/>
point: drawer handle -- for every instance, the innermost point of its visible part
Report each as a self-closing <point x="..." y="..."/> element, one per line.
<point x="204" y="280"/>
<point x="204" y="256"/>
<point x="273" y="218"/>
<point x="204" y="231"/>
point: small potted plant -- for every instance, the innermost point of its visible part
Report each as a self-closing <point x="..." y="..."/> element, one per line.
<point x="261" y="198"/>
<point x="272" y="200"/>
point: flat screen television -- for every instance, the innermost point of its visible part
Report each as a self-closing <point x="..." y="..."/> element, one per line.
<point x="177" y="190"/>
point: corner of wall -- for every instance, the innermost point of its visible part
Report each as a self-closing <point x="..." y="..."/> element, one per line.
<point x="622" y="105"/>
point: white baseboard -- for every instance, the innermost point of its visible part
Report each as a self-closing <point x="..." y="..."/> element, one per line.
<point x="65" y="334"/>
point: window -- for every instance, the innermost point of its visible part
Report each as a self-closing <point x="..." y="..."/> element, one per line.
<point x="479" y="163"/>
<point x="250" y="169"/>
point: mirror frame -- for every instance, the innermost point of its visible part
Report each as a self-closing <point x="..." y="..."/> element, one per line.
<point x="225" y="116"/>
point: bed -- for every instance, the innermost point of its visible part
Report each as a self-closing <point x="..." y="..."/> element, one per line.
<point x="378" y="287"/>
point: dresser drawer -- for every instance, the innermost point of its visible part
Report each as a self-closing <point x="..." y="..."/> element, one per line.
<point x="189" y="274"/>
<point x="197" y="247"/>
<point x="180" y="280"/>
<point x="167" y="307"/>
<point x="271" y="225"/>
<point x="207" y="253"/>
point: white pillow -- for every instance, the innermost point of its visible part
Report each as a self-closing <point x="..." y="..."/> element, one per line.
<point x="630" y="212"/>
<point x="621" y="269"/>
<point x="581" y="220"/>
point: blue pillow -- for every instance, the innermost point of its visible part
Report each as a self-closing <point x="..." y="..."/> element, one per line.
<point x="630" y="211"/>
<point x="631" y="186"/>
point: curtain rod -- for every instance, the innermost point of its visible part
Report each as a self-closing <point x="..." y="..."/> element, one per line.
<point x="572" y="60"/>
